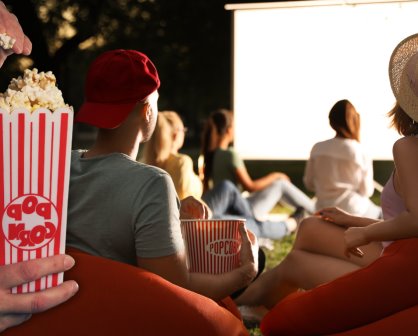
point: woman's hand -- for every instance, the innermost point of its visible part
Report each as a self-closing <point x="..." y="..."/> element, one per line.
<point x="280" y="176"/>
<point x="336" y="215"/>
<point x="355" y="237"/>
<point x="249" y="251"/>
<point x="192" y="208"/>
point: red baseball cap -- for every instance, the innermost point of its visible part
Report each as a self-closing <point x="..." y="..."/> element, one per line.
<point x="116" y="81"/>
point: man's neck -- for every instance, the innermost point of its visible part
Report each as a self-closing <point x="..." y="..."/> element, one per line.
<point x="115" y="142"/>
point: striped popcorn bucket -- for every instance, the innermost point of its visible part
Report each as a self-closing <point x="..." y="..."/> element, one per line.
<point x="35" y="151"/>
<point x="212" y="245"/>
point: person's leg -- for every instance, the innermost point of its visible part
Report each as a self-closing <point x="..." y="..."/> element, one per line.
<point x="386" y="286"/>
<point x="316" y="257"/>
<point x="264" y="200"/>
<point x="275" y="229"/>
<point x="225" y="198"/>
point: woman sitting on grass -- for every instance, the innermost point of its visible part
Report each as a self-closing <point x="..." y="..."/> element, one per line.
<point x="225" y="200"/>
<point x="222" y="162"/>
<point x="338" y="170"/>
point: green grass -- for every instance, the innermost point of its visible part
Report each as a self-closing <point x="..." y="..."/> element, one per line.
<point x="276" y="255"/>
<point x="273" y="257"/>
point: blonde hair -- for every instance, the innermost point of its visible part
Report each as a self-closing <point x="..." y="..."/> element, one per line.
<point x="158" y="148"/>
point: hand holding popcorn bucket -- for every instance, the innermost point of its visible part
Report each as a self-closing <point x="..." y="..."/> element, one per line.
<point x="212" y="245"/>
<point x="35" y="149"/>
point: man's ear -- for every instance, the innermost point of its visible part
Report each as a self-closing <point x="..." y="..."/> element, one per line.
<point x="146" y="111"/>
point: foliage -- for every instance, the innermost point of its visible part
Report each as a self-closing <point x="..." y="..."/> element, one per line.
<point x="189" y="41"/>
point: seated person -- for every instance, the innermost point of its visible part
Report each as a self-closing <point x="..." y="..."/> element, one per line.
<point x="127" y="211"/>
<point x="222" y="162"/>
<point x="225" y="200"/>
<point x="338" y="170"/>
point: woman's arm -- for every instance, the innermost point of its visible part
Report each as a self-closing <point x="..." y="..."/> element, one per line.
<point x="405" y="225"/>
<point x="342" y="218"/>
<point x="254" y="185"/>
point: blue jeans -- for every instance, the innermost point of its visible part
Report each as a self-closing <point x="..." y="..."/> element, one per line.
<point x="263" y="201"/>
<point x="226" y="201"/>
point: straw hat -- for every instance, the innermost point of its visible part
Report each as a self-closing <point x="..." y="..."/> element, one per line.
<point x="403" y="75"/>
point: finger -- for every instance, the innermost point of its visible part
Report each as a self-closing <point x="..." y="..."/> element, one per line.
<point x="27" y="271"/>
<point x="39" y="301"/>
<point x="244" y="233"/>
<point x="27" y="46"/>
<point x="11" y="320"/>
<point x="252" y="237"/>
<point x="14" y="30"/>
<point x="354" y="251"/>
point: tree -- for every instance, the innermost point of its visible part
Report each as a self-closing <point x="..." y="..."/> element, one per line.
<point x="189" y="41"/>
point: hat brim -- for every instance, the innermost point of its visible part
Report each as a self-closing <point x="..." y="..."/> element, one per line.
<point x="103" y="115"/>
<point x="399" y="82"/>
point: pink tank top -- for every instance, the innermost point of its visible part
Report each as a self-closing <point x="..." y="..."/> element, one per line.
<point x="392" y="204"/>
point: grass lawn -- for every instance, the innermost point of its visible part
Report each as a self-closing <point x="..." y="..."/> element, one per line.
<point x="273" y="257"/>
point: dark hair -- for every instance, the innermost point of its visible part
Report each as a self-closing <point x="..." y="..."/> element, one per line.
<point x="215" y="127"/>
<point x="402" y="122"/>
<point x="345" y="120"/>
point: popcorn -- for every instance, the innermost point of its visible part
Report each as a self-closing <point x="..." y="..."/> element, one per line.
<point x="32" y="91"/>
<point x="6" y="41"/>
<point x="35" y="153"/>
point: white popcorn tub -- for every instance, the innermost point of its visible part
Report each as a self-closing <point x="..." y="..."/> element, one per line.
<point x="35" y="153"/>
<point x="212" y="245"/>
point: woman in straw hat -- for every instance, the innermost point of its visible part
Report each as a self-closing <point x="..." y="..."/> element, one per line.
<point x="348" y="288"/>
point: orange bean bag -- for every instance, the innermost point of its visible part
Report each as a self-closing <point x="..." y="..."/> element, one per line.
<point x="119" y="299"/>
<point x="403" y="323"/>
<point x="370" y="301"/>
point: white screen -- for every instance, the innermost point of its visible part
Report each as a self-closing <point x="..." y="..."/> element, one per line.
<point x="293" y="60"/>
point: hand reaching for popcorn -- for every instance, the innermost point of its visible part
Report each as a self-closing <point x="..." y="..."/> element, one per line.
<point x="12" y="38"/>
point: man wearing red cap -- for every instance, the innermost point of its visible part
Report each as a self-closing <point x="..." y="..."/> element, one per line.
<point x="128" y="211"/>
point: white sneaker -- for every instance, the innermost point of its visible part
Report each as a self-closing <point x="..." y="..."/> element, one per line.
<point x="266" y="242"/>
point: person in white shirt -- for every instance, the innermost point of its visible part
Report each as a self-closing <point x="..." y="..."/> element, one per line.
<point x="338" y="170"/>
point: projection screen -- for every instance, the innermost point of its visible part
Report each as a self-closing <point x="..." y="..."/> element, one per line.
<point x="293" y="60"/>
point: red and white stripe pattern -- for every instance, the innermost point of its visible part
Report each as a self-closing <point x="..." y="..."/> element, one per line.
<point x="35" y="151"/>
<point x="212" y="246"/>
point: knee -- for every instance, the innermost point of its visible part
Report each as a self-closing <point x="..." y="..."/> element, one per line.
<point x="227" y="186"/>
<point x="308" y="226"/>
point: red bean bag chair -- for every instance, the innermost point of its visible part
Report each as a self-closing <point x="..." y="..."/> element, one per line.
<point x="403" y="323"/>
<point x="370" y="301"/>
<point x="119" y="299"/>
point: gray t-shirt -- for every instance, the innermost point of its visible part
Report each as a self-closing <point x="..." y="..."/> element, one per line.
<point x="120" y="209"/>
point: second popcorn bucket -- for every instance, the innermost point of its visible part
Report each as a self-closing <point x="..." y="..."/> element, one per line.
<point x="212" y="245"/>
<point x="35" y="152"/>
